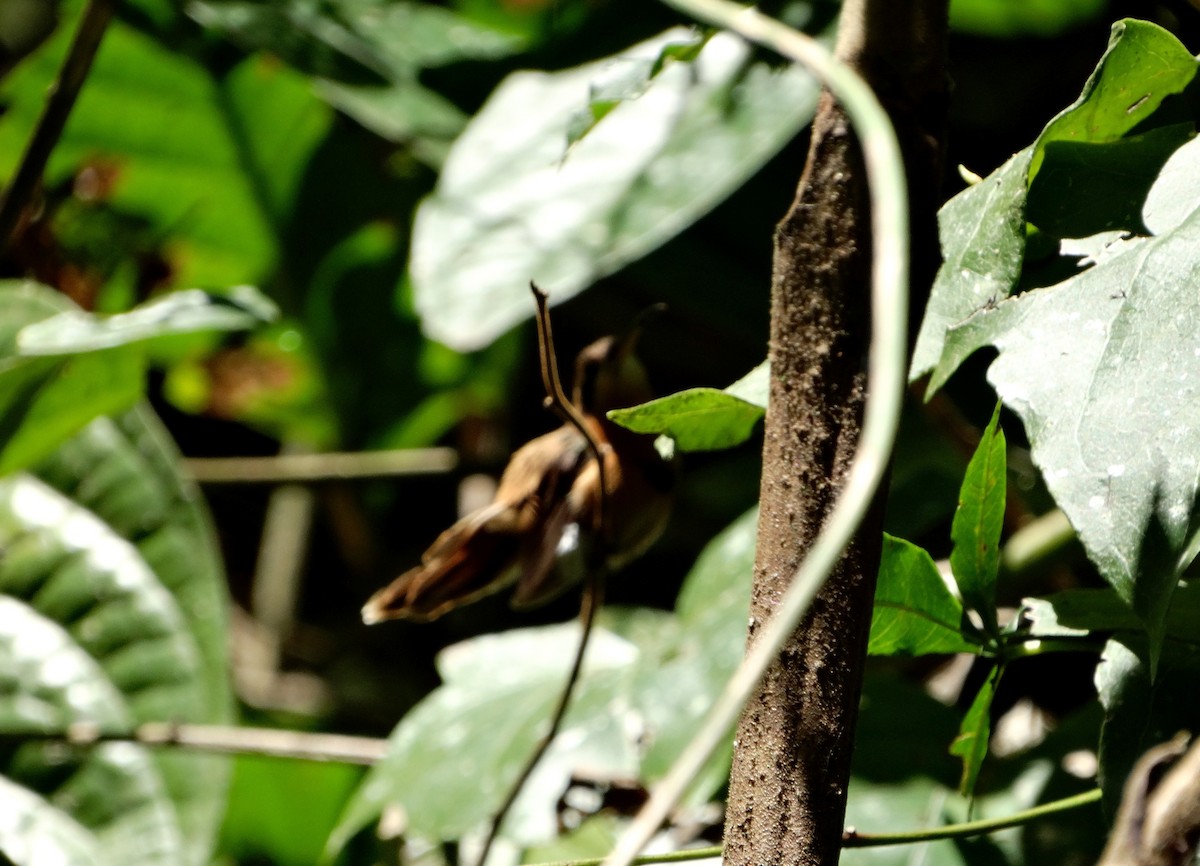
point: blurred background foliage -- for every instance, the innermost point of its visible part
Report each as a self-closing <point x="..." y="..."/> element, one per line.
<point x="288" y="145"/>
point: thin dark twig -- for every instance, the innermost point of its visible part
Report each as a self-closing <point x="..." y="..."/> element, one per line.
<point x="593" y="591"/>
<point x="556" y="399"/>
<point x="54" y="116"/>
<point x="272" y="742"/>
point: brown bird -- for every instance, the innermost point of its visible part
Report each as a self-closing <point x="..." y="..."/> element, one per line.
<point x="541" y="528"/>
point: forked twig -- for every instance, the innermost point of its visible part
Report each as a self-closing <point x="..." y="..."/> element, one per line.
<point x="593" y="590"/>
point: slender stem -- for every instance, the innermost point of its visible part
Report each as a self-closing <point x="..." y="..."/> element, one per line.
<point x="593" y="592"/>
<point x="227" y="739"/>
<point x="556" y="399"/>
<point x="310" y="468"/>
<point x="885" y="388"/>
<point x="54" y="116"/>
<point x="853" y="839"/>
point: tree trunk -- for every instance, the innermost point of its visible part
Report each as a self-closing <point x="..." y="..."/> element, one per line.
<point x="792" y="755"/>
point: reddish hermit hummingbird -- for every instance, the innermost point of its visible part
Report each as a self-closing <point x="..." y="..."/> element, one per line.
<point x="541" y="530"/>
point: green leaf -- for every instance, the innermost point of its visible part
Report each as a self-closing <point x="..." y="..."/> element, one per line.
<point x="282" y="811"/>
<point x="160" y="636"/>
<point x="1116" y="429"/>
<point x="978" y="522"/>
<point x="1087" y="187"/>
<point x="703" y="419"/>
<point x="44" y="401"/>
<point x="73" y="331"/>
<point x="982" y="233"/>
<point x="648" y="682"/>
<point x="366" y="55"/>
<point x="915" y="612"/>
<point x="649" y="169"/>
<point x="983" y="228"/>
<point x="1077" y="612"/>
<point x="144" y="627"/>
<point x="213" y="163"/>
<point x="674" y="692"/>
<point x="474" y="733"/>
<point x="971" y="744"/>
<point x="1142" y="67"/>
<point x="699" y="419"/>
<point x="34" y="832"/>
<point x="125" y="471"/>
<point x="348" y="39"/>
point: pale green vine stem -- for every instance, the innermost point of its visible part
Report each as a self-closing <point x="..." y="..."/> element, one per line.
<point x="853" y="839"/>
<point x="885" y="388"/>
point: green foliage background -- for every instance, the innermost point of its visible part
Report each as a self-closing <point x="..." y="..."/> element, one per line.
<point x="388" y="176"/>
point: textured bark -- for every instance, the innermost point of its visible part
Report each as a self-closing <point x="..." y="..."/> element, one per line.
<point x="792" y="756"/>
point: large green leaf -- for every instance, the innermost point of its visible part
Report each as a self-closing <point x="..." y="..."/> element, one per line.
<point x="366" y="55"/>
<point x="1116" y="429"/>
<point x="116" y="561"/>
<point x="1101" y="366"/>
<point x="513" y="203"/>
<point x="212" y="162"/>
<point x="915" y="612"/>
<point x="982" y="234"/>
<point x="473" y="734"/>
<point x="94" y="633"/>
<point x="675" y="691"/>
<point x="649" y="681"/>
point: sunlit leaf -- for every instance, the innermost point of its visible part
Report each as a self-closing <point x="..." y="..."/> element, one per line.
<point x="1101" y="367"/>
<point x="512" y="203"/>
<point x="44" y="401"/>
<point x="183" y="312"/>
<point x="703" y="419"/>
<point x="94" y="636"/>
<point x="475" y="732"/>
